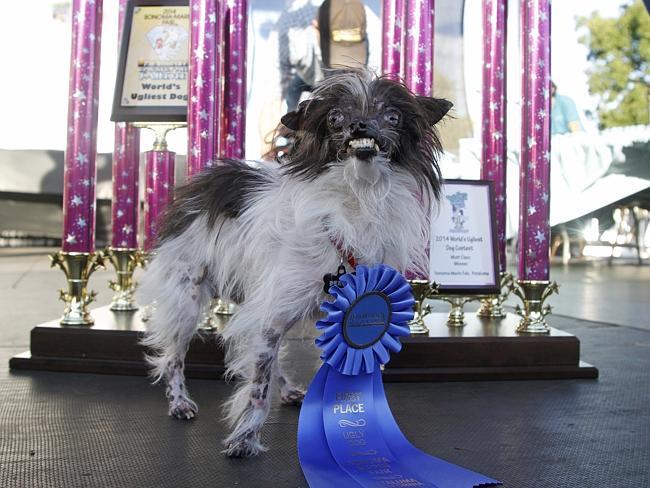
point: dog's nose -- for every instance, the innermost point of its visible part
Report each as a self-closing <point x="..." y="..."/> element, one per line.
<point x="358" y="127"/>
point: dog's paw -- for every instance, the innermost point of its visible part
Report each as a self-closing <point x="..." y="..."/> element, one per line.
<point x="243" y="446"/>
<point x="292" y="396"/>
<point x="182" y="408"/>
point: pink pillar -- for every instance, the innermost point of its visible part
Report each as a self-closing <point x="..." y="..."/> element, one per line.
<point x="418" y="59"/>
<point x="126" y="158"/>
<point x="418" y="46"/>
<point x="204" y="84"/>
<point x="159" y="168"/>
<point x="125" y="205"/>
<point x="494" y="150"/>
<point x="79" y="177"/>
<point x="535" y="163"/>
<point x="392" y="19"/>
<point x="233" y="136"/>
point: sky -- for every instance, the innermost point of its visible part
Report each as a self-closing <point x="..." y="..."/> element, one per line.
<point x="35" y="58"/>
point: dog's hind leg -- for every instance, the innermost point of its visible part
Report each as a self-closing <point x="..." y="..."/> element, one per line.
<point x="180" y="300"/>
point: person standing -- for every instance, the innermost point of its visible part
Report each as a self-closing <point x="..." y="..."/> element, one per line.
<point x="298" y="50"/>
<point x="564" y="114"/>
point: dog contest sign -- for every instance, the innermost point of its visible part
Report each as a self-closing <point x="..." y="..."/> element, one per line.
<point x="153" y="64"/>
<point x="463" y="246"/>
<point x="347" y="435"/>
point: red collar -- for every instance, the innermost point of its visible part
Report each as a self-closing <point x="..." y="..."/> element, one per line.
<point x="344" y="254"/>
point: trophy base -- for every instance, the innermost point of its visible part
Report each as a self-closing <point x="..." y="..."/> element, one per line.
<point x="491" y="308"/>
<point x="111" y="346"/>
<point x="482" y="350"/>
<point x="123" y="306"/>
<point x="486" y="349"/>
<point x="417" y="327"/>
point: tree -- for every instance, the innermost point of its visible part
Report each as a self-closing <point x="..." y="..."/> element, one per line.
<point x="619" y="51"/>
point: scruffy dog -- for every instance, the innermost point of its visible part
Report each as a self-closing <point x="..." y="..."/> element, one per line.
<point x="357" y="182"/>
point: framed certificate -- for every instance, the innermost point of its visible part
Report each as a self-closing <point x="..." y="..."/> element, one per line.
<point x="463" y="248"/>
<point x="153" y="65"/>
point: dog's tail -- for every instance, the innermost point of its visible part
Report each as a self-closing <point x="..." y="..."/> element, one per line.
<point x="176" y="286"/>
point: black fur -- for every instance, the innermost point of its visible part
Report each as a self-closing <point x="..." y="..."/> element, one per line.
<point x="413" y="144"/>
<point x="221" y="190"/>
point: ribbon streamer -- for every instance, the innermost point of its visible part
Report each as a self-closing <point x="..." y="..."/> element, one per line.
<point x="347" y="435"/>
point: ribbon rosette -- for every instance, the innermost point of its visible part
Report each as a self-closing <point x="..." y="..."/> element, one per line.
<point x="347" y="435"/>
<point x="369" y="313"/>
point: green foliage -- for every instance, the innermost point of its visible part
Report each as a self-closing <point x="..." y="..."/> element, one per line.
<point x="619" y="51"/>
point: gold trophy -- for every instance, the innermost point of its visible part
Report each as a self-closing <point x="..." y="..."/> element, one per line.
<point x="125" y="261"/>
<point x="533" y="294"/>
<point x="77" y="266"/>
<point x="492" y="306"/>
<point x="422" y="289"/>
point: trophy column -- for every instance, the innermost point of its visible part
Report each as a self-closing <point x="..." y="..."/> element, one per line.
<point x="78" y="258"/>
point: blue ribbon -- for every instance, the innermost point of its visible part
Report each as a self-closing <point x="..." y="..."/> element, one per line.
<point x="347" y="436"/>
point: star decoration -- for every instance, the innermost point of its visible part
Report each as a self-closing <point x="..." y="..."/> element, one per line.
<point x="81" y="158"/>
<point x="76" y="200"/>
<point x="531" y="142"/>
<point x="81" y="222"/>
<point x="119" y="213"/>
<point x="532" y="210"/>
<point x="127" y="229"/>
<point x="79" y="94"/>
<point x="203" y="115"/>
<point x="71" y="239"/>
<point x="540" y="237"/>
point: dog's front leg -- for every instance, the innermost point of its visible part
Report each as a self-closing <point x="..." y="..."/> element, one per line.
<point x="249" y="406"/>
<point x="290" y="393"/>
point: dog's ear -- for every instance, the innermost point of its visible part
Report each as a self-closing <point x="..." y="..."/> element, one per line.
<point x="434" y="108"/>
<point x="292" y="120"/>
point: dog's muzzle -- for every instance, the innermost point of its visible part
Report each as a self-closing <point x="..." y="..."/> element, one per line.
<point x="363" y="148"/>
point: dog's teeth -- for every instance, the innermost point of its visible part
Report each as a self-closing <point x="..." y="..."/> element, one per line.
<point x="363" y="143"/>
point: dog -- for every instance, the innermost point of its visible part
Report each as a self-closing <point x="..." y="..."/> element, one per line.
<point x="355" y="186"/>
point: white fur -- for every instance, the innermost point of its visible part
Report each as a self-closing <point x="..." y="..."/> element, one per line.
<point x="277" y="252"/>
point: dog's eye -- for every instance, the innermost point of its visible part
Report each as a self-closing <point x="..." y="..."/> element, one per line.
<point x="392" y="116"/>
<point x="335" y="117"/>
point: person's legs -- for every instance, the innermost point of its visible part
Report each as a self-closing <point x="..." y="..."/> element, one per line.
<point x="296" y="87"/>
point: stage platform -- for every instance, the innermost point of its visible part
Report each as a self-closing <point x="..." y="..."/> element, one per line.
<point x="89" y="430"/>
